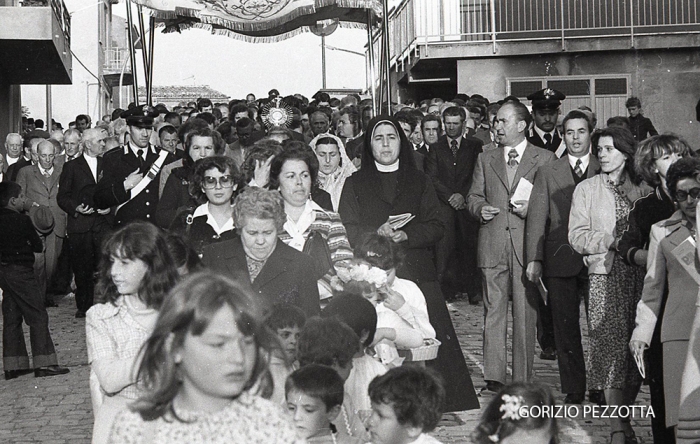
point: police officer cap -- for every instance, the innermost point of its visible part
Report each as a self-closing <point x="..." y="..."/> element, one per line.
<point x="140" y="116"/>
<point x="547" y="98"/>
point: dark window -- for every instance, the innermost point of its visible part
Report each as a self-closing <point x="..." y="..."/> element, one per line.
<point x="611" y="87"/>
<point x="571" y="87"/>
<point x="524" y="88"/>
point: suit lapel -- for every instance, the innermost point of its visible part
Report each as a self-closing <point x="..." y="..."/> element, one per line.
<point x="528" y="162"/>
<point x="498" y="163"/>
<point x="53" y="179"/>
<point x="40" y="177"/>
<point x="593" y="167"/>
<point x="563" y="177"/>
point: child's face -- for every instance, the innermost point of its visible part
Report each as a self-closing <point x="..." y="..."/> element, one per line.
<point x="309" y="414"/>
<point x="289" y="336"/>
<point x="633" y="110"/>
<point x="216" y="366"/>
<point x="127" y="274"/>
<point x="385" y="428"/>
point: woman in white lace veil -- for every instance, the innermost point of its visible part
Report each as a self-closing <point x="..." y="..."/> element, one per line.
<point x="334" y="165"/>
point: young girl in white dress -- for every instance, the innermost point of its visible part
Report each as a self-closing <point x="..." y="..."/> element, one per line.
<point x="136" y="272"/>
<point x="205" y="371"/>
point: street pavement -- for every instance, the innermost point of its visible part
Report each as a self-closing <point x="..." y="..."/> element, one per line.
<point x="58" y="409"/>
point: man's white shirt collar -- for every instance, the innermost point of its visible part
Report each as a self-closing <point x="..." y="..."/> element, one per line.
<point x="585" y="160"/>
<point x="542" y="133"/>
<point x="520" y="148"/>
<point x="11" y="161"/>
<point x="43" y="171"/>
<point x="92" y="163"/>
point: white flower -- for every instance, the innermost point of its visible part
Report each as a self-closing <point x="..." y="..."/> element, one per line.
<point x="511" y="407"/>
<point x="361" y="272"/>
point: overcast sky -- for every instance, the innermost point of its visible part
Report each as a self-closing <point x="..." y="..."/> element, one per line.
<point x="233" y="67"/>
<point x="237" y="68"/>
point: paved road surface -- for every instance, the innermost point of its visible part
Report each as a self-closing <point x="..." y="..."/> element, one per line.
<point x="58" y="409"/>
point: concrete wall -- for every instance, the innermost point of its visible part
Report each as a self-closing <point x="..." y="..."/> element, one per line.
<point x="82" y="96"/>
<point x="666" y="81"/>
<point x="10" y="111"/>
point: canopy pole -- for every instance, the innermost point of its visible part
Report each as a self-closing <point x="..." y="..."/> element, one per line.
<point x="132" y="52"/>
<point x="151" y="43"/>
<point x="372" y="73"/>
<point x="323" y="60"/>
<point x="387" y="54"/>
<point x="144" y="52"/>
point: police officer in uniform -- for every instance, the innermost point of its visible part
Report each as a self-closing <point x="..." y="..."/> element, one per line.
<point x="544" y="134"/>
<point x="545" y="110"/>
<point x="131" y="173"/>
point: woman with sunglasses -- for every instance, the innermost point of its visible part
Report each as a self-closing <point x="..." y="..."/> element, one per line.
<point x="176" y="193"/>
<point x="671" y="284"/>
<point x="214" y="182"/>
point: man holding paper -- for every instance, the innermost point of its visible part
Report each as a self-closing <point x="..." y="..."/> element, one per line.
<point x="550" y="256"/>
<point x="499" y="174"/>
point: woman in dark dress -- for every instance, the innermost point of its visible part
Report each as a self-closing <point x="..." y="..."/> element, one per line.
<point x="389" y="184"/>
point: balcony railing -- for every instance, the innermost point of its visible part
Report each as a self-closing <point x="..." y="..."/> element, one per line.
<point x="115" y="58"/>
<point x="59" y="10"/>
<point x="426" y="22"/>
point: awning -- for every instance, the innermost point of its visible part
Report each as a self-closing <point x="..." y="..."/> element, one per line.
<point x="261" y="20"/>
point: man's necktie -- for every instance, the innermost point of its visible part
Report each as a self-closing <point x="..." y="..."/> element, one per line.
<point x="139" y="154"/>
<point x="512" y="158"/>
<point x="454" y="148"/>
<point x="548" y="140"/>
<point x="577" y="168"/>
<point x="47" y="174"/>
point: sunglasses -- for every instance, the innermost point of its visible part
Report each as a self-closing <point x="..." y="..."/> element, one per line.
<point x="682" y="195"/>
<point x="209" y="182"/>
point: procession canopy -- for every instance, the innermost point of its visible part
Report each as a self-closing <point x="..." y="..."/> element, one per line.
<point x="262" y="20"/>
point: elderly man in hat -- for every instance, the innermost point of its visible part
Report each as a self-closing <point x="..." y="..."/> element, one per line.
<point x="40" y="183"/>
<point x="545" y="111"/>
<point x="130" y="175"/>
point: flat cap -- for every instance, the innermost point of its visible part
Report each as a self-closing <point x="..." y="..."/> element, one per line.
<point x="547" y="98"/>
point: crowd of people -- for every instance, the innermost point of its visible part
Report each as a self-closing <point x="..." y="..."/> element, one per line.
<point x="277" y="270"/>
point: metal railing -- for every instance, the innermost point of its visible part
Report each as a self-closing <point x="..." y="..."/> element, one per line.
<point x="426" y="22"/>
<point x="59" y="10"/>
<point x="115" y="59"/>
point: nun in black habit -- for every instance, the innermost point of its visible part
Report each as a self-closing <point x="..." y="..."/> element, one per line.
<point x="389" y="184"/>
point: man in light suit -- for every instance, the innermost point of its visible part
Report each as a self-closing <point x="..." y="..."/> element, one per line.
<point x="40" y="183"/>
<point x="86" y="225"/>
<point x="450" y="164"/>
<point x="547" y="246"/>
<point x="500" y="257"/>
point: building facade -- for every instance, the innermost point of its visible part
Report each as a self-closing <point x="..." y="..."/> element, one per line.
<point x="598" y="52"/>
<point x="35" y="49"/>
